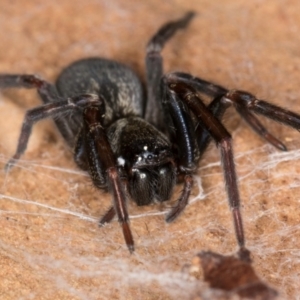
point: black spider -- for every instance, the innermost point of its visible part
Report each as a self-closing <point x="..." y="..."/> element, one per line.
<point x="144" y="147"/>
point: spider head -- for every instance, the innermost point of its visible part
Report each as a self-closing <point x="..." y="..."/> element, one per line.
<point x="146" y="158"/>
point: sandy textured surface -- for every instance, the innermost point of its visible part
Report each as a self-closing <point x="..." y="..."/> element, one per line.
<point x="50" y="244"/>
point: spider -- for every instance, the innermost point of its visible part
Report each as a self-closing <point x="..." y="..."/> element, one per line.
<point x="140" y="147"/>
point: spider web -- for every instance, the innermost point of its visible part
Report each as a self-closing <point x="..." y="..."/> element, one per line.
<point x="51" y="246"/>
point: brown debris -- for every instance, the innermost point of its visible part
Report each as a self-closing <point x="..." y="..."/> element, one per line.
<point x="232" y="277"/>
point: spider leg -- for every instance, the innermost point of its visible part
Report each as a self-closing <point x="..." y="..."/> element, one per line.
<point x="80" y="155"/>
<point x="218" y="132"/>
<point x="46" y="90"/>
<point x="101" y="157"/>
<point x="185" y="131"/>
<point x="259" y="128"/>
<point x="223" y="98"/>
<point x="48" y="94"/>
<point x="108" y="216"/>
<point x="154" y="68"/>
<point x="246" y="101"/>
<point x="217" y="108"/>
<point x="52" y="109"/>
<point x="184" y="135"/>
<point x="111" y="213"/>
<point x="186" y="139"/>
<point x="201" y="85"/>
<point x="183" y="199"/>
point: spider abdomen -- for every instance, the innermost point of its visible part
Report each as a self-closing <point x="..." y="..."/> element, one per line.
<point x="114" y="82"/>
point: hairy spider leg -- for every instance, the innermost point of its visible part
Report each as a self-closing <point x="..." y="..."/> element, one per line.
<point x="246" y="101"/>
<point x="54" y="107"/>
<point x="243" y="103"/>
<point x="101" y="154"/>
<point x="154" y="68"/>
<point x="218" y="132"/>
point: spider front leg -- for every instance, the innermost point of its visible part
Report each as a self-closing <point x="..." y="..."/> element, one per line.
<point x="178" y="90"/>
<point x="102" y="165"/>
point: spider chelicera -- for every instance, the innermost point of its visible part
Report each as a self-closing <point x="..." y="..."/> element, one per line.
<point x="143" y="147"/>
